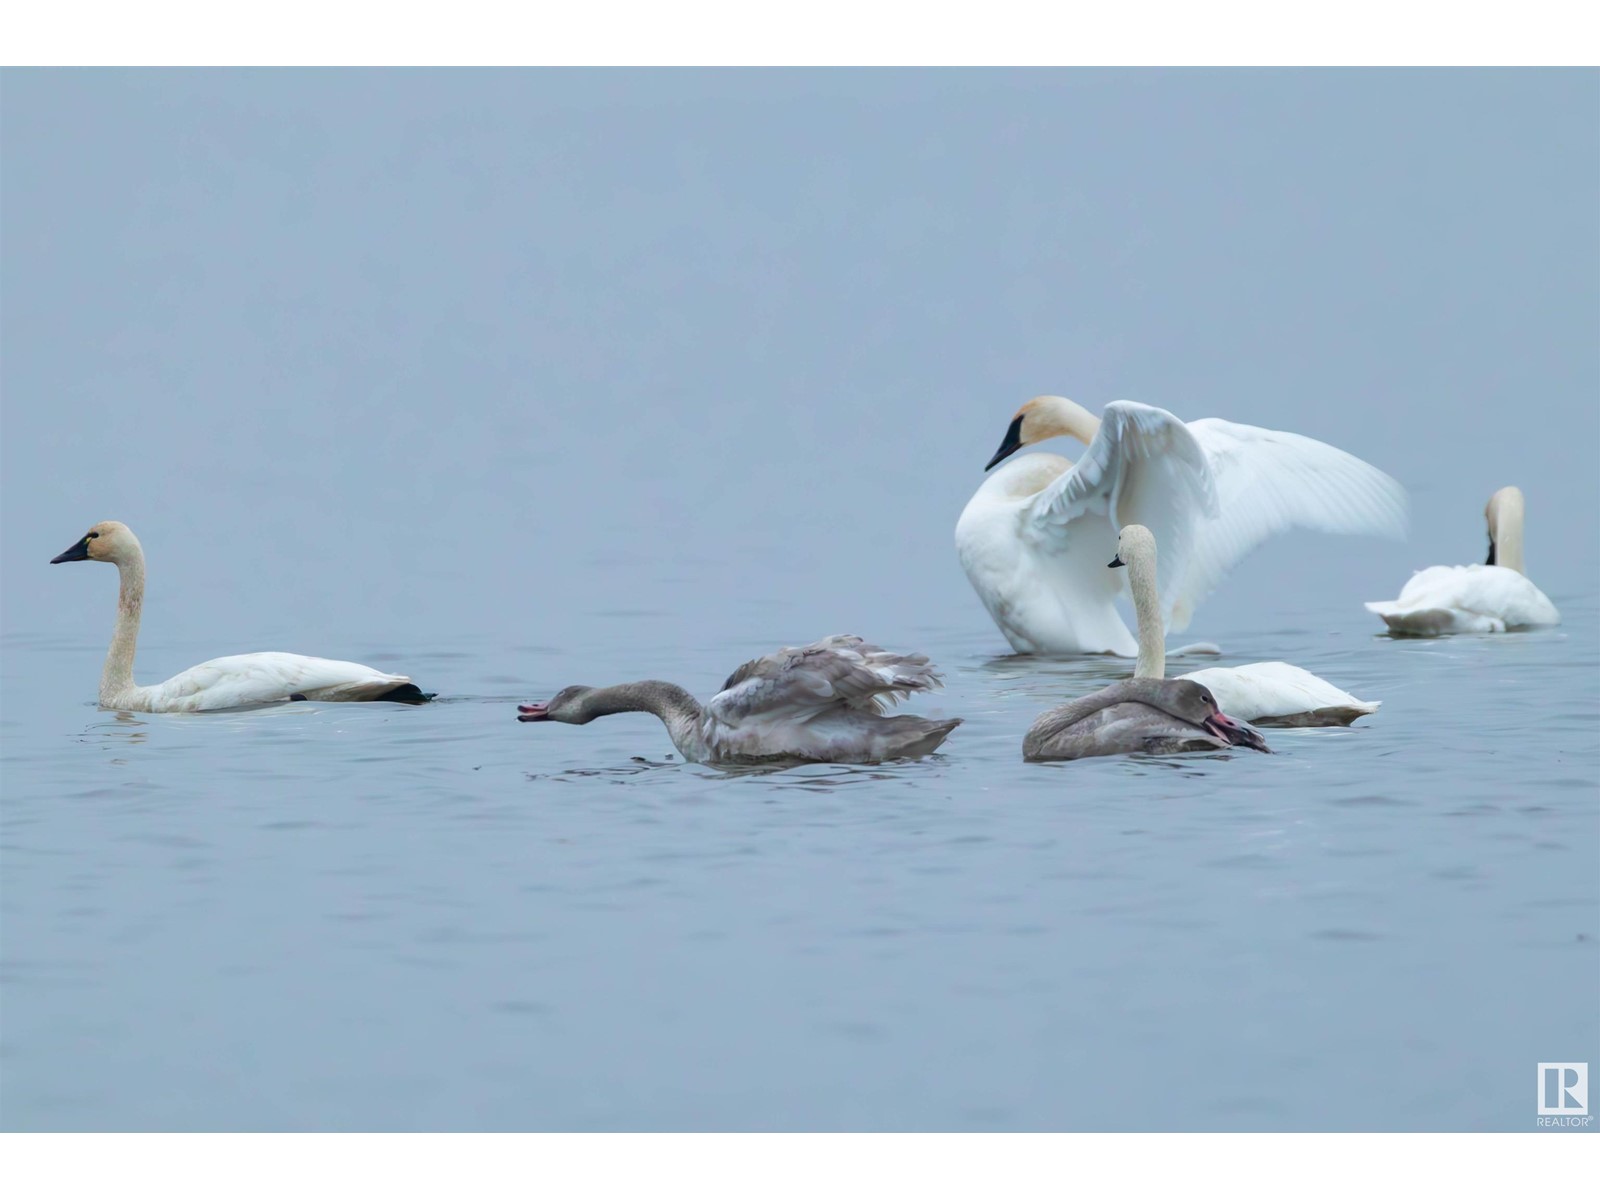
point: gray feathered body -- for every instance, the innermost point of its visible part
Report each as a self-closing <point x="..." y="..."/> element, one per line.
<point x="1128" y="717"/>
<point x="824" y="703"/>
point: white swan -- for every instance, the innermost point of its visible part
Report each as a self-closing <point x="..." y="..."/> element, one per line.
<point x="817" y="703"/>
<point x="232" y="682"/>
<point x="1035" y="537"/>
<point x="1264" y="693"/>
<point x="1488" y="598"/>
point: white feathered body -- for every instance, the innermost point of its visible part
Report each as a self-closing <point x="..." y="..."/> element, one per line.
<point x="268" y="677"/>
<point x="1279" y="693"/>
<point x="1036" y="537"/>
<point x="1470" y="599"/>
<point x="1042" y="591"/>
<point x="237" y="681"/>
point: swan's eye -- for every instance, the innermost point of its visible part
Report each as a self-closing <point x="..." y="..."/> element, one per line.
<point x="92" y="534"/>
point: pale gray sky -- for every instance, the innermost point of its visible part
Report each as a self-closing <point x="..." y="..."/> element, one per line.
<point x="419" y="349"/>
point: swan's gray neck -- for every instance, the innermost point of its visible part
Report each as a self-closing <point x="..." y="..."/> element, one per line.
<point x="678" y="710"/>
<point x="117" y="678"/>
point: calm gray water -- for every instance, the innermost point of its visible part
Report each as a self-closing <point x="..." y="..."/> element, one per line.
<point x="372" y="917"/>
<point x="512" y="380"/>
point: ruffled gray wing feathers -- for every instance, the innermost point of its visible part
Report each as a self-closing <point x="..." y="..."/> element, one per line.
<point x="843" y="669"/>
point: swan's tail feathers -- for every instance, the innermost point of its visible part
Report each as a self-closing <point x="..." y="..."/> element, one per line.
<point x="365" y="690"/>
<point x="1389" y="610"/>
<point x="914" y="737"/>
<point x="407" y="693"/>
<point x="1340" y="714"/>
<point x="1415" y="622"/>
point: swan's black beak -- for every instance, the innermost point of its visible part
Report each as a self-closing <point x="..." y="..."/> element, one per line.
<point x="78" y="552"/>
<point x="1117" y="561"/>
<point x="533" y="712"/>
<point x="1011" y="444"/>
<point x="1235" y="733"/>
<point x="1490" y="561"/>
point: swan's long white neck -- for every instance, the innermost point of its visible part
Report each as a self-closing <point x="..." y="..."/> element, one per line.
<point x="116" y="681"/>
<point x="1505" y="528"/>
<point x="1140" y="558"/>
<point x="1056" y="416"/>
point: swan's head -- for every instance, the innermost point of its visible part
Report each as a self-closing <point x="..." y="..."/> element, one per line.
<point x="1134" y="544"/>
<point x="566" y="705"/>
<point x="109" y="541"/>
<point x="1042" y="418"/>
<point x="1194" y="703"/>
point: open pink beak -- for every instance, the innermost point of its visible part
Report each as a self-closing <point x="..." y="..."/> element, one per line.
<point x="1235" y="733"/>
<point x="533" y="712"/>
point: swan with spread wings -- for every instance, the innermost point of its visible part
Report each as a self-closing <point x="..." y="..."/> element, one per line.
<point x="1035" y="537"/>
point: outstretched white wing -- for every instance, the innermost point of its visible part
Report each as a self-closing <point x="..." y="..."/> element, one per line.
<point x="1266" y="482"/>
<point x="1143" y="467"/>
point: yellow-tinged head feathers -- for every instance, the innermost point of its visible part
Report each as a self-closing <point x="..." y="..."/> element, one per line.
<point x="1046" y="417"/>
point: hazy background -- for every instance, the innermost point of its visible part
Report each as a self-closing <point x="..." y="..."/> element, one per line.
<point x="386" y="351"/>
<point x="513" y="379"/>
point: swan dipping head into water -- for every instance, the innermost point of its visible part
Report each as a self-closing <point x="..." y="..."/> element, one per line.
<point x="818" y="703"/>
<point x="1138" y="716"/>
